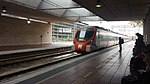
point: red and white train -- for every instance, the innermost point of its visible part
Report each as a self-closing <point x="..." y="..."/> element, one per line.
<point x="90" y="38"/>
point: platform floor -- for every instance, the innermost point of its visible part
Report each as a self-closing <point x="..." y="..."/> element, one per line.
<point x="93" y="71"/>
<point x="26" y="48"/>
<point x="102" y="67"/>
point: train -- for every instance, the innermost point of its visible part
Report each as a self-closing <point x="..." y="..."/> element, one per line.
<point x="90" y="38"/>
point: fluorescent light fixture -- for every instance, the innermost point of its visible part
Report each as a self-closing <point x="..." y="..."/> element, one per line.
<point x="40" y="21"/>
<point x="23" y="18"/>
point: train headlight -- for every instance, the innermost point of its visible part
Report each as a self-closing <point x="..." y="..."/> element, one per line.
<point x="91" y="41"/>
<point x="79" y="46"/>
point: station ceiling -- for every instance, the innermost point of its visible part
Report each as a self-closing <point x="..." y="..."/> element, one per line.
<point x="78" y="10"/>
<point x="49" y="10"/>
<point x="118" y="10"/>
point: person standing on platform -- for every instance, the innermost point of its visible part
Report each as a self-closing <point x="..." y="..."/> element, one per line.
<point x="139" y="44"/>
<point x="121" y="41"/>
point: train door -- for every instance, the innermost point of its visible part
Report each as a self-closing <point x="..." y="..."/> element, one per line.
<point x="103" y="42"/>
<point x="98" y="39"/>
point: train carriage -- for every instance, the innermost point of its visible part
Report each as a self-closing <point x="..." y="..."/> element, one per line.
<point x="90" y="38"/>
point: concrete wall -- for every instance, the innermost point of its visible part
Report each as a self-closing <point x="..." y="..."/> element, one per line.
<point x="147" y="28"/>
<point x="18" y="32"/>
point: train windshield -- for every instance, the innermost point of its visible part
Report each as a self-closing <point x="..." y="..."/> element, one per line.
<point x="84" y="34"/>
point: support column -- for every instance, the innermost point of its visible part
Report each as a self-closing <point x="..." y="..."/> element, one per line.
<point x="146" y="29"/>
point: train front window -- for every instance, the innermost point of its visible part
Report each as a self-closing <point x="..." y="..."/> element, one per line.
<point x="84" y="34"/>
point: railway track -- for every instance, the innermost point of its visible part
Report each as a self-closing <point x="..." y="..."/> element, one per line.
<point x="17" y="65"/>
<point x="14" y="60"/>
<point x="32" y="62"/>
<point x="27" y="56"/>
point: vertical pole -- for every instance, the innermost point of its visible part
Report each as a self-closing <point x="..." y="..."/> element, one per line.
<point x="41" y="39"/>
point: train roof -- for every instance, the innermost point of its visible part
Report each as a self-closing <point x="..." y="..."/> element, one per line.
<point x="102" y="28"/>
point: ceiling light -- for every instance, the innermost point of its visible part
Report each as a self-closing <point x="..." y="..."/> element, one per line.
<point x="98" y="4"/>
<point x="28" y="21"/>
<point x="4" y="9"/>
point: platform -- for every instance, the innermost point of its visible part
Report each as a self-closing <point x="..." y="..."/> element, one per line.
<point x="101" y="67"/>
<point x="27" y="48"/>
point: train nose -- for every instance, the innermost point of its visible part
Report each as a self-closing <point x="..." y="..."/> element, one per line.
<point x="80" y="47"/>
